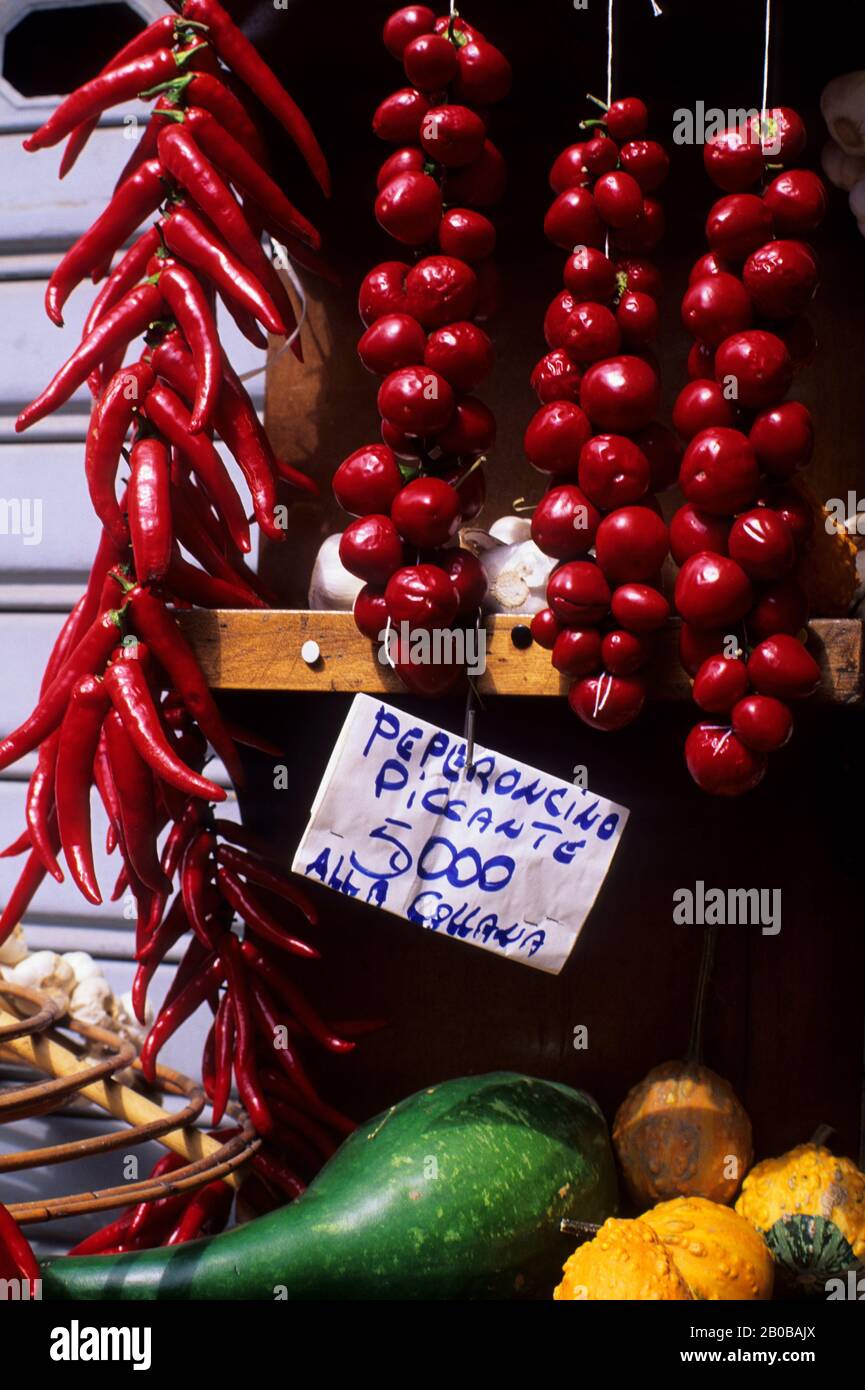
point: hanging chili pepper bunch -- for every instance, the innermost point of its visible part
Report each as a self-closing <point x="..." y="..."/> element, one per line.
<point x="410" y="493"/>
<point x="743" y="528"/>
<point x="594" y="434"/>
<point x="124" y="704"/>
<point x="224" y="873"/>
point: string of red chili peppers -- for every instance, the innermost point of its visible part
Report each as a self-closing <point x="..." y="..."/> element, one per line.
<point x="124" y="704"/>
<point x="742" y="530"/>
<point x="423" y="337"/>
<point x="601" y="375"/>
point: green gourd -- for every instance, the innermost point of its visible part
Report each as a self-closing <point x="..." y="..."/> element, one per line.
<point x="456" y="1192"/>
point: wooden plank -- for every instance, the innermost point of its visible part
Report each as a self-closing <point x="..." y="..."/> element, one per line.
<point x="254" y="650"/>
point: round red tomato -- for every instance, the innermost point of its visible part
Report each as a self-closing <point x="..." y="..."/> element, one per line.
<point x="573" y="220"/>
<point x="620" y="394"/>
<point x="370" y="549"/>
<point x="392" y="341"/>
<point x="762" y="543"/>
<point x="426" y="512"/>
<point x="398" y="118"/>
<point x="782" y="666"/>
<point x="783" y="438"/>
<point x="712" y="590"/>
<point x="607" y="702"/>
<point x="781" y="278"/>
<point x="759" y="364"/>
<point x="613" y="471"/>
<point x="715" y="307"/>
<point x="556" y="378"/>
<point x="796" y="202"/>
<point x="720" y="763"/>
<point x="383" y="291"/>
<point x="367" y="481"/>
<point x="700" y="405"/>
<point x="719" y="683"/>
<point x="639" y="608"/>
<point x="421" y="595"/>
<point x="692" y="530"/>
<point x="409" y="208"/>
<point x="719" y="471"/>
<point x="564" y="523"/>
<point x="733" y="159"/>
<point x="631" y="545"/>
<point x="466" y="234"/>
<point x="737" y="225"/>
<point x="555" y="436"/>
<point x="439" y="290"/>
<point x="416" y="400"/>
<point x="763" y="723"/>
<point x="461" y="352"/>
<point x="452" y="135"/>
<point x="578" y="593"/>
<point x="577" y="651"/>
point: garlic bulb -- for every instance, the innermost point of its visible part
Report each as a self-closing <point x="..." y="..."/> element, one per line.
<point x="125" y="1022"/>
<point x="91" y="1002"/>
<point x="517" y="576"/>
<point x="14" y="948"/>
<point x="331" y="586"/>
<point x="82" y="965"/>
<point x="512" y="529"/>
<point x="45" y="970"/>
<point x="843" y="170"/>
<point x="843" y="105"/>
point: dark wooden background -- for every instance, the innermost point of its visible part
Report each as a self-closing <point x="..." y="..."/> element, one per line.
<point x="785" y="1020"/>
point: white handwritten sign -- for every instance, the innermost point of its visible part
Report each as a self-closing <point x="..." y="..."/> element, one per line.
<point x="502" y="856"/>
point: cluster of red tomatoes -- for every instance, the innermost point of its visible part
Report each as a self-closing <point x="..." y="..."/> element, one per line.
<point x="423" y="337"/>
<point x="740" y="534"/>
<point x="595" y="435"/>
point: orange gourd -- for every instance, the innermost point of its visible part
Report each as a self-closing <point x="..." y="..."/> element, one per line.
<point x="681" y="1131"/>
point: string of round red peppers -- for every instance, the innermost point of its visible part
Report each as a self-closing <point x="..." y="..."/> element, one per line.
<point x="423" y="337"/>
<point x="743" y="528"/>
<point x="594" y="434"/>
<point x="124" y="704"/>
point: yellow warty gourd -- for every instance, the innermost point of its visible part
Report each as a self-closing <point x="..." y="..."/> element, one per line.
<point x="625" y="1261"/>
<point x="718" y="1253"/>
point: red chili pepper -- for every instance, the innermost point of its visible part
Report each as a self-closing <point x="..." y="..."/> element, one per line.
<point x="134" y="782"/>
<point x="196" y="880"/>
<point x="278" y="1083"/>
<point x="29" y="881"/>
<point x="159" y="34"/>
<point x="171" y="1016"/>
<point x="292" y="1117"/>
<point x="236" y="51"/>
<point x="172" y="927"/>
<point x="167" y="413"/>
<point x="195" y="538"/>
<point x="267" y="875"/>
<point x="91" y="654"/>
<point x="117" y="328"/>
<point x="39" y="805"/>
<point x="208" y="1210"/>
<point x="189" y="304"/>
<point x="237" y="424"/>
<point x="150" y="508"/>
<point x="275" y="1036"/>
<point x="240" y="897"/>
<point x="106" y="90"/>
<point x="17" y="1260"/>
<point x="249" y="739"/>
<point x="134" y="201"/>
<point x="279" y="1174"/>
<point x="106" y="1239"/>
<point x="184" y="161"/>
<point x="109" y="425"/>
<point x="156" y="626"/>
<point x="214" y="96"/>
<point x="223" y="1051"/>
<point x="73" y="626"/>
<point x="245" y="1068"/>
<point x="124" y="276"/>
<point x="186" y="582"/>
<point x="147" y="1220"/>
<point x="188" y="236"/>
<point x="78" y="741"/>
<point x="246" y="174"/>
<point x="127" y="686"/>
<point x="273" y="973"/>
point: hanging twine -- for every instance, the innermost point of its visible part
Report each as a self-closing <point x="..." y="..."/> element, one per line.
<point x="767" y="31"/>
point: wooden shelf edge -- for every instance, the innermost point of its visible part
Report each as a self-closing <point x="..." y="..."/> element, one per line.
<point x="259" y="649"/>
